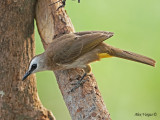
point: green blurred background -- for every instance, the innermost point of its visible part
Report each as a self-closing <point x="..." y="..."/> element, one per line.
<point x="127" y="87"/>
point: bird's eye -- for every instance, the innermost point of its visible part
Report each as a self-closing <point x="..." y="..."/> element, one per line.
<point x="34" y="66"/>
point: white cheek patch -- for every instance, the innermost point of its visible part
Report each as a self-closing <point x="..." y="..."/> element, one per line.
<point x="34" y="61"/>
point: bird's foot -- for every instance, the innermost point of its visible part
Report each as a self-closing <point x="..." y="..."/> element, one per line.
<point x="79" y="83"/>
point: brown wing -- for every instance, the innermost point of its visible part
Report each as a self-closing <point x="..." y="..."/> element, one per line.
<point x="82" y="42"/>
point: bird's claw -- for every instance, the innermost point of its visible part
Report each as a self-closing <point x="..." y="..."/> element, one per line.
<point x="79" y="83"/>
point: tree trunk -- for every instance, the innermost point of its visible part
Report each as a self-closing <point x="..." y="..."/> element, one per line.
<point x="18" y="99"/>
<point x="86" y="102"/>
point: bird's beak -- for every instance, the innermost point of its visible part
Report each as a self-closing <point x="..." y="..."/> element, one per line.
<point x="26" y="75"/>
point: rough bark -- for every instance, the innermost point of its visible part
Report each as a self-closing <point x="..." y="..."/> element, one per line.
<point x="85" y="102"/>
<point x="18" y="99"/>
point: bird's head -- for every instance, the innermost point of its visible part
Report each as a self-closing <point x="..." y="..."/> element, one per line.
<point x="37" y="64"/>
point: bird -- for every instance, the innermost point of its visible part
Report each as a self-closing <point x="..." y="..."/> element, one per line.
<point x="78" y="50"/>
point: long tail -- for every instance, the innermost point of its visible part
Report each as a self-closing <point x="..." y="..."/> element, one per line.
<point x="130" y="56"/>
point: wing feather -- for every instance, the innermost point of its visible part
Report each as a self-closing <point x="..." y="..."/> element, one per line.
<point x="82" y="42"/>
